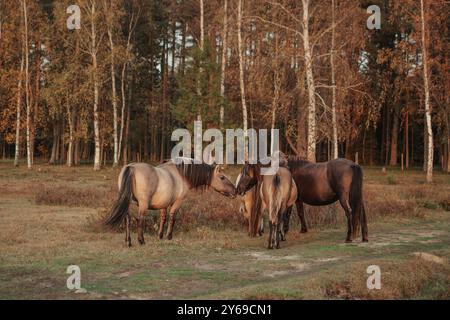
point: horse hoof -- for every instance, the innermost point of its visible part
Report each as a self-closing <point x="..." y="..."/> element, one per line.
<point x="348" y="241"/>
<point x="365" y="240"/>
<point x="161" y="236"/>
<point x="141" y="242"/>
<point x="303" y="231"/>
<point x="169" y="237"/>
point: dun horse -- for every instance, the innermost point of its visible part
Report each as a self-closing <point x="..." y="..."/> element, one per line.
<point x="276" y="193"/>
<point x="162" y="187"/>
<point x="324" y="183"/>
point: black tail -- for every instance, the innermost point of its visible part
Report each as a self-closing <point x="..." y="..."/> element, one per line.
<point x="357" y="204"/>
<point x="120" y="209"/>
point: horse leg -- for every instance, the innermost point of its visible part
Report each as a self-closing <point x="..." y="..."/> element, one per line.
<point x="279" y="235"/>
<point x="140" y="223"/>
<point x="286" y="219"/>
<point x="261" y="227"/>
<point x="127" y="231"/>
<point x="249" y="228"/>
<point x="343" y="199"/>
<point x="162" y="222"/>
<point x="270" y="245"/>
<point x="365" y="232"/>
<point x="172" y="213"/>
<point x="301" y="215"/>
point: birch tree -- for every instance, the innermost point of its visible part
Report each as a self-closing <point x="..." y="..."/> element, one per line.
<point x="426" y="87"/>
<point x="134" y="18"/>
<point x="93" y="51"/>
<point x="110" y="13"/>
<point x="27" y="84"/>
<point x="241" y="73"/>
<point x="224" y="60"/>
<point x="333" y="81"/>
<point x="312" y="131"/>
<point x="18" y="111"/>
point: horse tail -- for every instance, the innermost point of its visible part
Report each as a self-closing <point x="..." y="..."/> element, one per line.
<point x="122" y="204"/>
<point x="275" y="200"/>
<point x="255" y="214"/>
<point x="356" y="201"/>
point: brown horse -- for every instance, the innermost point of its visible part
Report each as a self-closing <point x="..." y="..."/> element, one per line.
<point x="324" y="183"/>
<point x="162" y="187"/>
<point x="246" y="208"/>
<point x="276" y="193"/>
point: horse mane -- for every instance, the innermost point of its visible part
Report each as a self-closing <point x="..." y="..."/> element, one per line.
<point x="198" y="175"/>
<point x="296" y="162"/>
<point x="255" y="215"/>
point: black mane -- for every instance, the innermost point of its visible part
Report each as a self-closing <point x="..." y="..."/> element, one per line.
<point x="197" y="175"/>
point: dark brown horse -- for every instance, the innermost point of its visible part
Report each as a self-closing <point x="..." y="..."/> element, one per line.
<point x="321" y="184"/>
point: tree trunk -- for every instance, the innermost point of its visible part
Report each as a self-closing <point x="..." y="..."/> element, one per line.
<point x="123" y="115"/>
<point x="18" y="111"/>
<point x="394" y="136"/>
<point x="241" y="74"/>
<point x="114" y="100"/>
<point x="407" y="139"/>
<point x="224" y="62"/>
<point x="276" y="91"/>
<point x="311" y="144"/>
<point x="429" y="128"/>
<point x="164" y="71"/>
<point x="94" y="47"/>
<point x="27" y="85"/>
<point x="71" y="117"/>
<point x="333" y="84"/>
<point x="35" y="96"/>
<point x="447" y="122"/>
<point x="200" y="71"/>
<point x="127" y="129"/>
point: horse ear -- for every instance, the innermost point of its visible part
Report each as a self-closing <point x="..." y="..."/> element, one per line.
<point x="217" y="169"/>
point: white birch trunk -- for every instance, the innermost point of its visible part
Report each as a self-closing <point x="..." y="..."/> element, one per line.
<point x="276" y="91"/>
<point x="333" y="83"/>
<point x="224" y="61"/>
<point x="311" y="141"/>
<point x="241" y="75"/>
<point x="131" y="26"/>
<point x="18" y="112"/>
<point x="97" y="156"/>
<point x="429" y="128"/>
<point x="202" y="43"/>
<point x="114" y="99"/>
<point x="122" y="119"/>
<point x="27" y="85"/>
<point x="70" y="118"/>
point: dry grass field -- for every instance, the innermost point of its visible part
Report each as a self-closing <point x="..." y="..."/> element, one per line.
<point x="50" y="220"/>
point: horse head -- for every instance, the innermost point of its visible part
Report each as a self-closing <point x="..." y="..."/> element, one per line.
<point x="248" y="178"/>
<point x="222" y="184"/>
